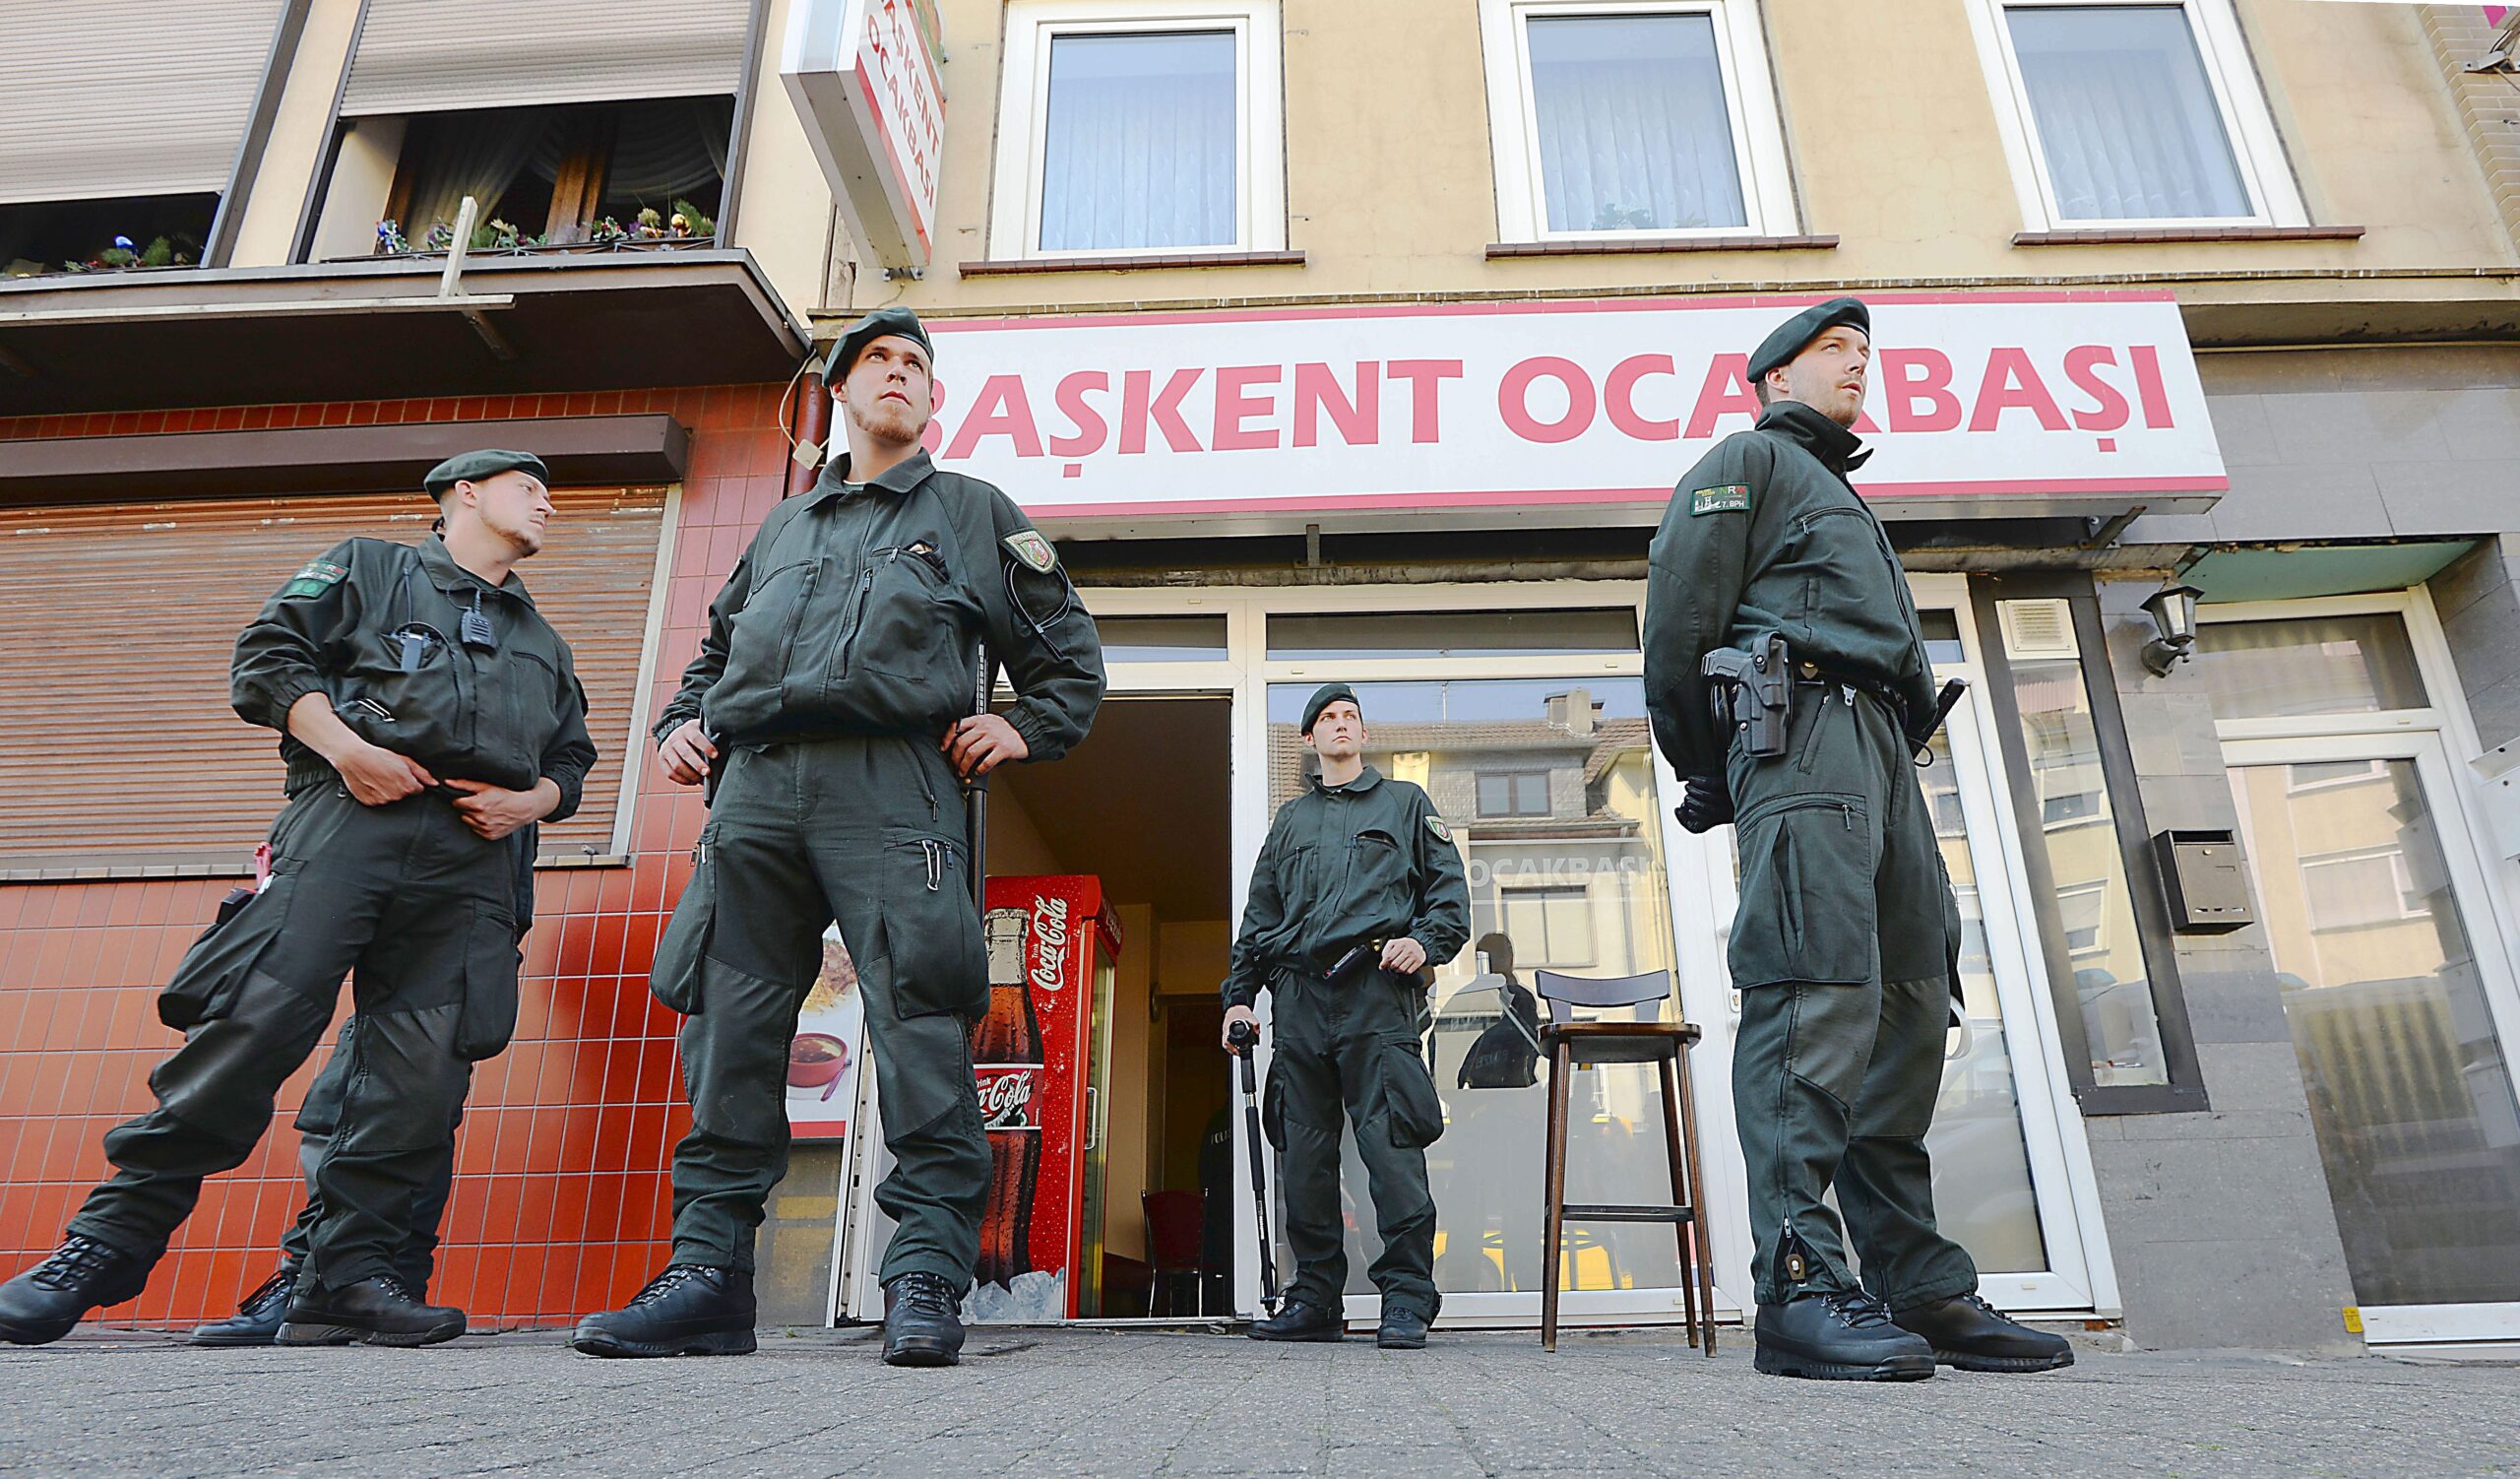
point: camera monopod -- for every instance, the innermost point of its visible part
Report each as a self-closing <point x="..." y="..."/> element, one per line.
<point x="1246" y="1042"/>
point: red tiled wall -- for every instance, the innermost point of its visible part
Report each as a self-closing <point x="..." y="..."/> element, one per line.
<point x="561" y="1199"/>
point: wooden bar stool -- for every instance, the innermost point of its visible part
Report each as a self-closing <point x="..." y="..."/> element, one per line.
<point x="1572" y="1044"/>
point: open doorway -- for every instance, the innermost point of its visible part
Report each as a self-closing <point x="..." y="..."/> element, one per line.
<point x="1144" y="805"/>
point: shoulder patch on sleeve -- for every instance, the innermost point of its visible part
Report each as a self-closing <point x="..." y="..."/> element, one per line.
<point x="1723" y="499"/>
<point x="1435" y="825"/>
<point x="1035" y="551"/>
<point x="317" y="577"/>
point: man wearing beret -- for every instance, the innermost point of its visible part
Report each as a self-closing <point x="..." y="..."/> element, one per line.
<point x="1357" y="890"/>
<point x="831" y="712"/>
<point x="429" y="720"/>
<point x="1846" y="947"/>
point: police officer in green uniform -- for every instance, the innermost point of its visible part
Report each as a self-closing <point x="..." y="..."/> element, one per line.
<point x="1357" y="890"/>
<point x="1846" y="946"/>
<point x="430" y="718"/>
<point x="831" y="710"/>
<point x="259" y="1315"/>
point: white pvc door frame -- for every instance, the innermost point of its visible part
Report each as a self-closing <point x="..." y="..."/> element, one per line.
<point x="2433" y="737"/>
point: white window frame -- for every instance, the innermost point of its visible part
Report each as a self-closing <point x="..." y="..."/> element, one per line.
<point x="2275" y="197"/>
<point x="1260" y="187"/>
<point x="1749" y="99"/>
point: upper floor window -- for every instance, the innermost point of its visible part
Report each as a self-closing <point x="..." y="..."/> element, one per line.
<point x="1634" y="119"/>
<point x="2136" y="112"/>
<point x="1139" y="126"/>
<point x="652" y="171"/>
<point x="556" y="175"/>
<point x="1513" y="793"/>
<point x="121" y="127"/>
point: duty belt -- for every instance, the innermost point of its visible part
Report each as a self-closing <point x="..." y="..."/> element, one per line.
<point x="1813" y="674"/>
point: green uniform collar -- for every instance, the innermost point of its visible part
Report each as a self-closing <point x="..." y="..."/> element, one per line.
<point x="1357" y="787"/>
<point x="900" y="477"/>
<point x="1842" y="450"/>
<point x="454" y="579"/>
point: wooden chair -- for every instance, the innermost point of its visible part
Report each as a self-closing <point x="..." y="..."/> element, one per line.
<point x="1173" y="1223"/>
<point x="1571" y="1044"/>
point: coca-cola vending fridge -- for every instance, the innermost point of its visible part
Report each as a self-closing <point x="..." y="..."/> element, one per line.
<point x="1039" y="1060"/>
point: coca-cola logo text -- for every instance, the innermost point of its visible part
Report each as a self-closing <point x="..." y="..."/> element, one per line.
<point x="1006" y="1099"/>
<point x="1049" y="935"/>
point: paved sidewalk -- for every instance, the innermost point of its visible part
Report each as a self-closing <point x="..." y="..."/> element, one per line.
<point x="1056" y="1403"/>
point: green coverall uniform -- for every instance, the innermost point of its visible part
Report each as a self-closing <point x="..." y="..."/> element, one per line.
<point x="838" y="654"/>
<point x="426" y="913"/>
<point x="1846" y="944"/>
<point x="1345" y="865"/>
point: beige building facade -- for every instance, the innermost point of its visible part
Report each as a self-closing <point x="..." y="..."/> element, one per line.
<point x="1367" y="341"/>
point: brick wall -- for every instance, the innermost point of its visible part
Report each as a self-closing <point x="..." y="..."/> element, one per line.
<point x="561" y="1198"/>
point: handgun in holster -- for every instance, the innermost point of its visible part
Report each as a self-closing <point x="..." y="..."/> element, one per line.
<point x="1753" y="693"/>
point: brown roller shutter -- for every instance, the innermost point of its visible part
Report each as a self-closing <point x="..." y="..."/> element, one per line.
<point x="117" y="745"/>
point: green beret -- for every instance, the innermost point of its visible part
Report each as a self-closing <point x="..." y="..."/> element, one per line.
<point x="1779" y="349"/>
<point x="1322" y="698"/>
<point x="874" y="325"/>
<point x="472" y="467"/>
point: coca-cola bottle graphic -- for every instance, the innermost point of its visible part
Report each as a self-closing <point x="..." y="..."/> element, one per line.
<point x="1006" y="1064"/>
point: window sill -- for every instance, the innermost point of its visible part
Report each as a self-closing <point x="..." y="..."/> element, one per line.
<point x="176" y="869"/>
<point x="1025" y="266"/>
<point x="2137" y="235"/>
<point x="1656" y="245"/>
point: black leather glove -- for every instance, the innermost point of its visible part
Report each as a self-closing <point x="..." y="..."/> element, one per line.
<point x="1707" y="803"/>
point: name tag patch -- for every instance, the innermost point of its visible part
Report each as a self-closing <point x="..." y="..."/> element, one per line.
<point x="315" y="579"/>
<point x="1727" y="499"/>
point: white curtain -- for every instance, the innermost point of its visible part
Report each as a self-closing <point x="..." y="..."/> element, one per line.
<point x="1139" y="149"/>
<point x="479" y="154"/>
<point x="2126" y="114"/>
<point x="1633" y="130"/>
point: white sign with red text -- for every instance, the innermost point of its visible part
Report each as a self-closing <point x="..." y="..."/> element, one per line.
<point x="1979" y="405"/>
<point x="863" y="74"/>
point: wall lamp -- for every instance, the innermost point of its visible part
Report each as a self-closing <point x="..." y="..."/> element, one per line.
<point x="2173" y="609"/>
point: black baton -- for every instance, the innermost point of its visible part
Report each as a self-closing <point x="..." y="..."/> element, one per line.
<point x="1245" y="1040"/>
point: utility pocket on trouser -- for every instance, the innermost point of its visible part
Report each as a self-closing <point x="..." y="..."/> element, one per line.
<point x="673" y="976"/>
<point x="490" y="964"/>
<point x="1413" y="1112"/>
<point x="1808" y="908"/>
<point x="206" y="985"/>
<point x="931" y="928"/>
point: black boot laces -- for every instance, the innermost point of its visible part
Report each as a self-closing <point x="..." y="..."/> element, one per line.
<point x="395" y="1290"/>
<point x="75" y="1264"/>
<point x="1857" y="1309"/>
<point x="273" y="1290"/>
<point x="926" y="1294"/>
<point x="666" y="1283"/>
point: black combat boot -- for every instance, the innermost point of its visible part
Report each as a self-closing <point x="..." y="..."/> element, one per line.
<point x="689" y="1310"/>
<point x="1844" y="1336"/>
<point x="922" y="1322"/>
<point x="1403" y="1329"/>
<point x="1971" y="1334"/>
<point x="380" y="1311"/>
<point x="1301" y="1320"/>
<point x="257" y="1317"/>
<point x="39" y="1306"/>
